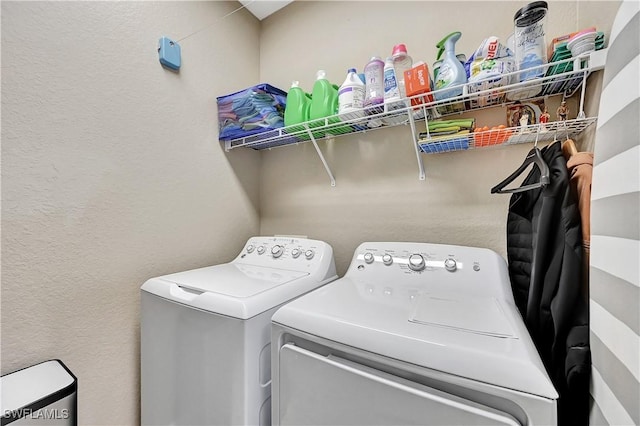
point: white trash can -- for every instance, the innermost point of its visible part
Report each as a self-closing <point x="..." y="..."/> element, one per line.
<point x="43" y="394"/>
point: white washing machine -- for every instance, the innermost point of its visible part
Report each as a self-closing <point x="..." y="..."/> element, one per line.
<point x="413" y="334"/>
<point x="205" y="333"/>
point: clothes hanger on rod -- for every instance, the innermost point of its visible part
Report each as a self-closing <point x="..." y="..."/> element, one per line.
<point x="568" y="146"/>
<point x="533" y="157"/>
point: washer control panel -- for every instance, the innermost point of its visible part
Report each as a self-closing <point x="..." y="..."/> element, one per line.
<point x="284" y="252"/>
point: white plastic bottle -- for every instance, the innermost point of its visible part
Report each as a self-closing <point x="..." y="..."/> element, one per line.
<point x="351" y="97"/>
<point x="392" y="99"/>
<point x="401" y="62"/>
<point x="391" y="92"/>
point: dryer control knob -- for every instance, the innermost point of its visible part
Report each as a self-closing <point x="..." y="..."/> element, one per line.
<point x="368" y="257"/>
<point x="309" y="254"/>
<point x="387" y="259"/>
<point x="260" y="249"/>
<point x="250" y="248"/>
<point x="450" y="265"/>
<point x="276" y="251"/>
<point x="295" y="253"/>
<point x="416" y="262"/>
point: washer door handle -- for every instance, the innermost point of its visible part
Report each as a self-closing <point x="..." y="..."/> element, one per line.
<point x="183" y="293"/>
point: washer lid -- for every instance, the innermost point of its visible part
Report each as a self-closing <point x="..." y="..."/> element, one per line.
<point x="233" y="279"/>
<point x="232" y="289"/>
<point x="480" y="338"/>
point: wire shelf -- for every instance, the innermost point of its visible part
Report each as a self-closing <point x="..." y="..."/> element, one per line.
<point x="559" y="78"/>
<point x="507" y="136"/>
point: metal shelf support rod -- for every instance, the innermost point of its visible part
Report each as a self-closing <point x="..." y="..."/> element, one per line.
<point x="324" y="162"/>
<point x="412" y="124"/>
<point x="581" y="113"/>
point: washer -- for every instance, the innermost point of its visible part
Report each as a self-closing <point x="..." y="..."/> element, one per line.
<point x="205" y="333"/>
<point x="413" y="334"/>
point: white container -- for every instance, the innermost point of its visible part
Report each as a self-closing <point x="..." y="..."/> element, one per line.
<point x="391" y="91"/>
<point x="44" y="394"/>
<point x="392" y="98"/>
<point x="582" y="42"/>
<point x="351" y="97"/>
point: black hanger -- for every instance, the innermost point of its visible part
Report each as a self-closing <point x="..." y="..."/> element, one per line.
<point x="534" y="156"/>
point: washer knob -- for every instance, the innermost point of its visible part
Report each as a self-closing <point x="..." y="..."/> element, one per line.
<point x="250" y="248"/>
<point x="276" y="251"/>
<point x="416" y="262"/>
<point x="450" y="265"/>
<point x="368" y="257"/>
<point x="387" y="259"/>
<point x="295" y="253"/>
<point x="309" y="254"/>
<point x="260" y="249"/>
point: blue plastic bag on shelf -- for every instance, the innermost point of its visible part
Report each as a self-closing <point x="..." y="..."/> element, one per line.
<point x="251" y="111"/>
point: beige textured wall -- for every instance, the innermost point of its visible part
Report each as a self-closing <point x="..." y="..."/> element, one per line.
<point x="378" y="195"/>
<point x="112" y="174"/>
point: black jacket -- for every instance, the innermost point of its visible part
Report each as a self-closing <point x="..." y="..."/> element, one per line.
<point x="544" y="248"/>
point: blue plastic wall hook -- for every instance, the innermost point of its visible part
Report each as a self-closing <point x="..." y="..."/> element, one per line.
<point x="169" y="52"/>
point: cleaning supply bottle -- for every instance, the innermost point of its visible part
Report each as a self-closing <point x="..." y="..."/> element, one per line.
<point x="351" y="96"/>
<point x="401" y="62"/>
<point x="324" y="98"/>
<point x="451" y="72"/>
<point x="298" y="104"/>
<point x="392" y="99"/>
<point x="374" y="87"/>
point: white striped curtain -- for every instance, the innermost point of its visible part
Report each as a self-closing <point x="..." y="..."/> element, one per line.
<point x="615" y="231"/>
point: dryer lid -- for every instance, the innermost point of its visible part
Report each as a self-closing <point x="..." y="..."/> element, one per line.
<point x="233" y="289"/>
<point x="481" y="315"/>
<point x="484" y="341"/>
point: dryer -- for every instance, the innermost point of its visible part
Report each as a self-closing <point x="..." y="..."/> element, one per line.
<point x="205" y="333"/>
<point x="413" y="334"/>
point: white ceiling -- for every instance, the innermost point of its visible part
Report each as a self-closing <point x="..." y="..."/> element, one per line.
<point x="263" y="8"/>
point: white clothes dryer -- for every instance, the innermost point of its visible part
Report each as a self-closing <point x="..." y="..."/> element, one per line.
<point x="413" y="334"/>
<point x="205" y="333"/>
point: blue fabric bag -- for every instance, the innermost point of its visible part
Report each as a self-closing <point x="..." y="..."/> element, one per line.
<point x="250" y="111"/>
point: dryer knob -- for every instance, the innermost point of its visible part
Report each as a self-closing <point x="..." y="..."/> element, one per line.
<point x="416" y="262"/>
<point x="250" y="248"/>
<point x="276" y="251"/>
<point x="450" y="265"/>
<point x="368" y="257"/>
<point x="260" y="249"/>
<point x="309" y="254"/>
<point x="387" y="259"/>
<point x="296" y="253"/>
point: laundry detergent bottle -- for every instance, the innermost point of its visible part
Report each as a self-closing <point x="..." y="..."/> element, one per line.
<point x="298" y="104"/>
<point x="374" y="88"/>
<point x="324" y="98"/>
<point x="451" y="73"/>
<point x="351" y="97"/>
<point x="392" y="99"/>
